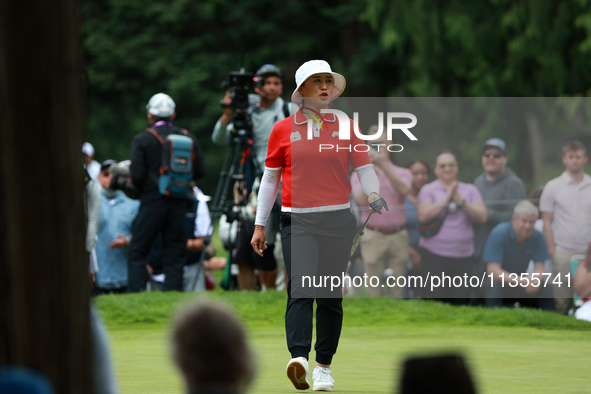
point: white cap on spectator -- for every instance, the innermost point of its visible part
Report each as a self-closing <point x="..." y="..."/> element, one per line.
<point x="88" y="149"/>
<point x="312" y="67"/>
<point x="161" y="105"/>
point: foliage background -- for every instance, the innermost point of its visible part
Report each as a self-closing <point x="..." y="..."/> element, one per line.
<point x="490" y="48"/>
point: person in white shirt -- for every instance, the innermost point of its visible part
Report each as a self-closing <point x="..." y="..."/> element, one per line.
<point x="92" y="166"/>
<point x="566" y="210"/>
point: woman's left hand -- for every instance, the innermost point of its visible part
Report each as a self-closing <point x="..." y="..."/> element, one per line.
<point x="373" y="197"/>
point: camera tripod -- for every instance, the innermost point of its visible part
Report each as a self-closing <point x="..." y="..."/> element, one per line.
<point x="237" y="163"/>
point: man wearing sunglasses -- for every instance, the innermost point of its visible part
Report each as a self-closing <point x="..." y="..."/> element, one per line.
<point x="500" y="188"/>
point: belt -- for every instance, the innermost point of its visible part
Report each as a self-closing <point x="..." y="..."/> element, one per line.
<point x="386" y="230"/>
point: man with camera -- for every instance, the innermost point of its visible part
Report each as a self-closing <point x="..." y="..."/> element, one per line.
<point x="263" y="109"/>
<point x="115" y="220"/>
<point x="158" y="213"/>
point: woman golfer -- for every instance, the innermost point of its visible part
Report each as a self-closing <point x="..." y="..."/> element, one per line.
<point x="317" y="225"/>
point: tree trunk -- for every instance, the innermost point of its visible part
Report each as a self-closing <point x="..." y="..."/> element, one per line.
<point x="44" y="287"/>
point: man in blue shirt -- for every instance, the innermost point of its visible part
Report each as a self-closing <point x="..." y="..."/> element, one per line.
<point x="116" y="215"/>
<point x="507" y="253"/>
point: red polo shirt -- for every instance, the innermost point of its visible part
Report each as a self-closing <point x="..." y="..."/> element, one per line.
<point x="316" y="170"/>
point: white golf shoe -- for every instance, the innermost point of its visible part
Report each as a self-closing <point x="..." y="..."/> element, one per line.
<point x="299" y="373"/>
<point x="323" y="380"/>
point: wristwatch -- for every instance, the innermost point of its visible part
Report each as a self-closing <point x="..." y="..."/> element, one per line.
<point x="453" y="206"/>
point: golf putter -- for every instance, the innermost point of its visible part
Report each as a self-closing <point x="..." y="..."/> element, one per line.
<point x="377" y="207"/>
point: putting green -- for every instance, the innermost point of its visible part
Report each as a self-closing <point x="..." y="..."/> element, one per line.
<point x="502" y="359"/>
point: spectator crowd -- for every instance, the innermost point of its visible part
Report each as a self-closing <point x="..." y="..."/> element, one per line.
<point x="149" y="227"/>
<point x="525" y="250"/>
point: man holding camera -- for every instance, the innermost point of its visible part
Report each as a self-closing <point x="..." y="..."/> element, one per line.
<point x="115" y="220"/>
<point x="264" y="109"/>
<point x="158" y="213"/>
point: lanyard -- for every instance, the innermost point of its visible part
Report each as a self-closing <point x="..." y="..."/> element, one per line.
<point x="316" y="116"/>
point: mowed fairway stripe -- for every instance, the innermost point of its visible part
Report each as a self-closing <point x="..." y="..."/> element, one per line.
<point x="503" y="360"/>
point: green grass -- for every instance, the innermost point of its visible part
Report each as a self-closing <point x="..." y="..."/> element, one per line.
<point x="508" y="350"/>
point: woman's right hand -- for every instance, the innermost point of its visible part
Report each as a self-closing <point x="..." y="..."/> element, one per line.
<point x="258" y="242"/>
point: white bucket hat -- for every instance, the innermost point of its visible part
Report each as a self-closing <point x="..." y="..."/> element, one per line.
<point x="312" y="67"/>
<point x="161" y="105"/>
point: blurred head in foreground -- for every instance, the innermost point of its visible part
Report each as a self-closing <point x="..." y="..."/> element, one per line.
<point x="210" y="348"/>
<point x="440" y="373"/>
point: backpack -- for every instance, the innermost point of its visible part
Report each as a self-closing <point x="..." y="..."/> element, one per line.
<point x="176" y="167"/>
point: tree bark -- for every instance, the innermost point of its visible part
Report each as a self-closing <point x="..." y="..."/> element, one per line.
<point x="44" y="287"/>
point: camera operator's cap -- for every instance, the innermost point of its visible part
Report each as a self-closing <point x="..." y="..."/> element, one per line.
<point x="312" y="67"/>
<point x="107" y="163"/>
<point x="497" y="143"/>
<point x="268" y="69"/>
<point x="88" y="149"/>
<point x="161" y="105"/>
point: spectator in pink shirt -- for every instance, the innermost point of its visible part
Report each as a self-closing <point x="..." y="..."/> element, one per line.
<point x="384" y="246"/>
<point x="566" y="210"/>
<point x="451" y="250"/>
